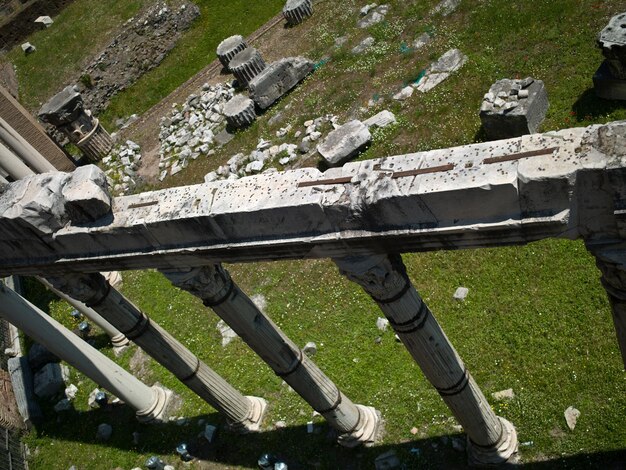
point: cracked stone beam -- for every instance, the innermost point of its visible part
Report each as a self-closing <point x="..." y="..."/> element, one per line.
<point x="357" y="424"/>
<point x="150" y="403"/>
<point x="567" y="184"/>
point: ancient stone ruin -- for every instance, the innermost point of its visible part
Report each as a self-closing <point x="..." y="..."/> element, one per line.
<point x="515" y="191"/>
<point x="229" y="48"/>
<point x="67" y="113"/>
<point x="610" y="79"/>
<point x="246" y="65"/>
<point x="513" y="108"/>
<point x="239" y="112"/>
<point x="296" y="11"/>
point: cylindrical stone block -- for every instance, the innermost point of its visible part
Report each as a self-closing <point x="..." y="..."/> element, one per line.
<point x="246" y="65"/>
<point x="229" y="48"/>
<point x="97" y="144"/>
<point x="20" y="146"/>
<point x="296" y="11"/>
<point x="12" y="164"/>
<point x="239" y="112"/>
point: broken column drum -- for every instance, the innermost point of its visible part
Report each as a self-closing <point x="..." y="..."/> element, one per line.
<point x="610" y="79"/>
<point x="66" y="112"/>
<point x="229" y="48"/>
<point x="296" y="11"/>
<point x="246" y="65"/>
<point x="356" y="424"/>
<point x="239" y="112"/>
<point x="491" y="440"/>
<point x="151" y="403"/>
<point x="513" y="108"/>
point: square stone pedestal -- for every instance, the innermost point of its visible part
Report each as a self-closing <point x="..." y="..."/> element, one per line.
<point x="607" y="86"/>
<point x="513" y="108"/>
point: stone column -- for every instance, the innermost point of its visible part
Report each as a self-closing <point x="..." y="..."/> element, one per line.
<point x="243" y="413"/>
<point x="239" y="112"/>
<point x="118" y="340"/>
<point x="357" y="424"/>
<point x="296" y="11"/>
<point x="66" y="112"/>
<point x="26" y="152"/>
<point x="150" y="403"/>
<point x="229" y="48"/>
<point x="12" y="164"/>
<point x="246" y="65"/>
<point x="610" y="79"/>
<point x="491" y="439"/>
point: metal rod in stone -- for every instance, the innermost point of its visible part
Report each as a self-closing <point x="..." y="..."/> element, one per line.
<point x="356" y="424"/>
<point x="150" y="403"/>
<point x="491" y="440"/>
<point x="243" y="413"/>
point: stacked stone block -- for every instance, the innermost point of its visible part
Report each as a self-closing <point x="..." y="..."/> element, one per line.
<point x="229" y="48"/>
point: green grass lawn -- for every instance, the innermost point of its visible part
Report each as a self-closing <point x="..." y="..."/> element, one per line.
<point x="536" y="318"/>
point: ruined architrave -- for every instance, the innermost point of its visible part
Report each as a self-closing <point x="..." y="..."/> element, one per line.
<point x="566" y="184"/>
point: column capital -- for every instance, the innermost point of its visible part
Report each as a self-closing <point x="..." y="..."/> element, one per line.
<point x="383" y="277"/>
<point x="212" y="284"/>
<point x="89" y="288"/>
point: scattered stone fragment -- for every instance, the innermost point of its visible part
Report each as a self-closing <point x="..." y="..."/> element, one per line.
<point x="382" y="119"/>
<point x="296" y="11"/>
<point x="448" y="63"/>
<point x="363" y="45"/>
<point x="70" y="392"/>
<point x="373" y="16"/>
<point x="507" y="394"/>
<point x="446" y="7"/>
<point x="461" y="293"/>
<point x="63" y="405"/>
<point x="366" y="9"/>
<point x="421" y="41"/>
<point x="277" y="79"/>
<point x="39" y="356"/>
<point x="229" y="48"/>
<point x="280" y="425"/>
<point x="227" y="333"/>
<point x="209" y="432"/>
<point x="45" y="21"/>
<point x="259" y="301"/>
<point x="387" y="461"/>
<point x="340" y="41"/>
<point x="92" y="400"/>
<point x="50" y="380"/>
<point x="414" y="431"/>
<point x="345" y="143"/>
<point x="28" y="48"/>
<point x="382" y="324"/>
<point x="246" y="65"/>
<point x="404" y="94"/>
<point x="519" y="108"/>
<point x="309" y="427"/>
<point x="571" y="417"/>
<point x="239" y="112"/>
<point x="612" y="41"/>
<point x="310" y="348"/>
<point x="104" y="432"/>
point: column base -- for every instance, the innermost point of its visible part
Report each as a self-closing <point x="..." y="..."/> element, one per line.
<point x="160" y="408"/>
<point x="253" y="421"/>
<point x="504" y="451"/>
<point x="369" y="432"/>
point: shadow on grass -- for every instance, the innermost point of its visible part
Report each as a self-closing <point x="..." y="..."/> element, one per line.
<point x="292" y="445"/>
<point x="589" y="106"/>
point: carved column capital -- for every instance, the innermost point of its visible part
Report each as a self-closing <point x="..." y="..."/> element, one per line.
<point x="212" y="283"/>
<point x="383" y="277"/>
<point x="89" y="288"/>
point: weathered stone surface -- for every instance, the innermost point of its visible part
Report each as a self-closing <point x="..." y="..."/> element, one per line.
<point x="373" y="16"/>
<point x="86" y="195"/>
<point x="382" y="119"/>
<point x="246" y="65"/>
<point x="612" y="41"/>
<point x="607" y="86"/>
<point x="514" y="108"/>
<point x="278" y="79"/>
<point x="239" y="112"/>
<point x="296" y="11"/>
<point x="461" y="293"/>
<point x="448" y="63"/>
<point x="571" y="417"/>
<point x="229" y="48"/>
<point x="50" y="380"/>
<point x="507" y="394"/>
<point x="404" y="94"/>
<point x="104" y="432"/>
<point x="46" y="21"/>
<point x="345" y="143"/>
<point x="39" y="356"/>
<point x="422" y="41"/>
<point x="446" y="7"/>
<point x="28" y="48"/>
<point x="364" y="45"/>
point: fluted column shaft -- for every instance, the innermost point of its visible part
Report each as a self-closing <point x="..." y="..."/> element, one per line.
<point x="492" y="439"/>
<point x="93" y="289"/>
<point x="150" y="403"/>
<point x="213" y="284"/>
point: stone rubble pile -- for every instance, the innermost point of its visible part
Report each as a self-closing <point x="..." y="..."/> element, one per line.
<point x="121" y="167"/>
<point x="372" y="14"/>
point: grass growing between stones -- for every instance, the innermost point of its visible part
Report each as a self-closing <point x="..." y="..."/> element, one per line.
<point x="536" y="318"/>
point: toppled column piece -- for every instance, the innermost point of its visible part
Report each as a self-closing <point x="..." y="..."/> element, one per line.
<point x="513" y="108"/>
<point x="382" y="119"/>
<point x="66" y="112"/>
<point x="277" y="79"/>
<point x="296" y="11"/>
<point x="229" y="48"/>
<point x="610" y="79"/>
<point x="246" y="65"/>
<point x="345" y="143"/>
<point x="438" y="71"/>
<point x="239" y="112"/>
